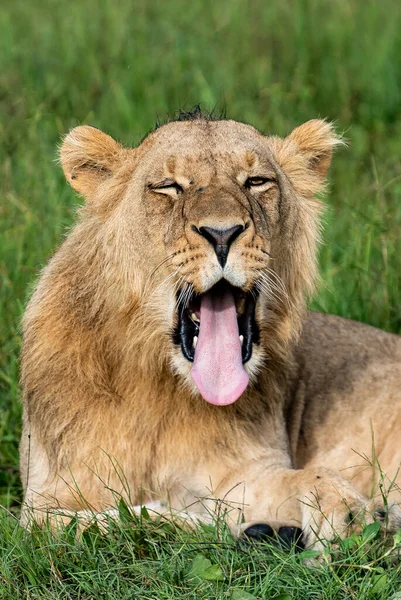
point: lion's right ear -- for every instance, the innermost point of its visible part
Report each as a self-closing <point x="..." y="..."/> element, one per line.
<point x="88" y="157"/>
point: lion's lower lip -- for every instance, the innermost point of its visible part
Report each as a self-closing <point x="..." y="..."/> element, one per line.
<point x="187" y="330"/>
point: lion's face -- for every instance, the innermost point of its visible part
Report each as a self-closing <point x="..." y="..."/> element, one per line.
<point x="217" y="225"/>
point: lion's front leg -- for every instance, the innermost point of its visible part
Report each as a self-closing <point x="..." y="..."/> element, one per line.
<point x="320" y="503"/>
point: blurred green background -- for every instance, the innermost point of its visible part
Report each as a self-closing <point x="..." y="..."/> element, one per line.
<point x="121" y="65"/>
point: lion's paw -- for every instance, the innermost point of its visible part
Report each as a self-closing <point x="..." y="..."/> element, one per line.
<point x="331" y="508"/>
<point x="315" y="506"/>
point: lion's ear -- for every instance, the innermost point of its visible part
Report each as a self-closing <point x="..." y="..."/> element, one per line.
<point x="88" y="157"/>
<point x="305" y="155"/>
<point x="316" y="139"/>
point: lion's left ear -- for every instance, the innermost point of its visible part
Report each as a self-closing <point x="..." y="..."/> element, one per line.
<point x="305" y="155"/>
<point x="88" y="157"/>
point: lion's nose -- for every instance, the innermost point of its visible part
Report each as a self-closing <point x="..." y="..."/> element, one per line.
<point x="221" y="239"/>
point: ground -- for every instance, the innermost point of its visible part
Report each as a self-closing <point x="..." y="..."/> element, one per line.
<point x="121" y="67"/>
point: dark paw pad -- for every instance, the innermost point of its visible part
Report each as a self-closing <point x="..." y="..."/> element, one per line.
<point x="290" y="536"/>
<point x="260" y="531"/>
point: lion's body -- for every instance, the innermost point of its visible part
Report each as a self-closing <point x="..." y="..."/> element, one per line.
<point x="348" y="401"/>
<point x="108" y="404"/>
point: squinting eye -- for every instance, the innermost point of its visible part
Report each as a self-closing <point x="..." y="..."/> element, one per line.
<point x="170" y="186"/>
<point x="165" y="187"/>
<point x="257" y="181"/>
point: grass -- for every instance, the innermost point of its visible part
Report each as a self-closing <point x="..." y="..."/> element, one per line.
<point x="139" y="558"/>
<point x="119" y="66"/>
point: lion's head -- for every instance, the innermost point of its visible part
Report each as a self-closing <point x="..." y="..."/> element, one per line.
<point x="203" y="242"/>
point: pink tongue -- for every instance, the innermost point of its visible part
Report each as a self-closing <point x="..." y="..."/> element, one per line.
<point x="217" y="370"/>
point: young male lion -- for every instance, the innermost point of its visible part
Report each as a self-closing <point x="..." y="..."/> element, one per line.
<point x="168" y="354"/>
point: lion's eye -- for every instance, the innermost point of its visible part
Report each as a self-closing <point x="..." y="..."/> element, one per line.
<point x="167" y="186"/>
<point x="258" y="181"/>
<point x="174" y="186"/>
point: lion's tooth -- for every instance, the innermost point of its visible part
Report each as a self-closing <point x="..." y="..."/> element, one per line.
<point x="194" y="317"/>
<point x="195" y="341"/>
<point x="241" y="339"/>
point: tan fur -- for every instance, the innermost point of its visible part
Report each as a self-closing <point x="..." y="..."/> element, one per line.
<point x="109" y="406"/>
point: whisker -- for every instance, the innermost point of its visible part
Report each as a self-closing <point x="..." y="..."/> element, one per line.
<point x="161" y="284"/>
<point x="268" y="291"/>
<point x="182" y="294"/>
<point x="189" y="294"/>
<point x="165" y="260"/>
<point x="277" y="278"/>
<point x="273" y="286"/>
<point x="274" y="280"/>
<point x="161" y="263"/>
<point x="272" y="291"/>
<point x="186" y="296"/>
<point x="176" y="286"/>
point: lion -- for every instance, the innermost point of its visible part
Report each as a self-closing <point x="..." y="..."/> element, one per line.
<point x="168" y="354"/>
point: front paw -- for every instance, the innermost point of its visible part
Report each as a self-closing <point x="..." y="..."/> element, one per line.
<point x="312" y="507"/>
<point x="332" y="508"/>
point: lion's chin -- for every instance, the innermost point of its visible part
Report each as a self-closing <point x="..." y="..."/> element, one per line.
<point x="216" y="331"/>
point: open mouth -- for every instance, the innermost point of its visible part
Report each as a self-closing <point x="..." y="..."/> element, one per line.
<point x="216" y="331"/>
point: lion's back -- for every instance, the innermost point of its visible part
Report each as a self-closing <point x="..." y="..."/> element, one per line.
<point x="332" y="351"/>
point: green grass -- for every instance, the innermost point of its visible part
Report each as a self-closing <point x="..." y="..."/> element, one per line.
<point x="139" y="558"/>
<point x="119" y="66"/>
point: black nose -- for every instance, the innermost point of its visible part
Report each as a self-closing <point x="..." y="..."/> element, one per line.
<point x="221" y="239"/>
